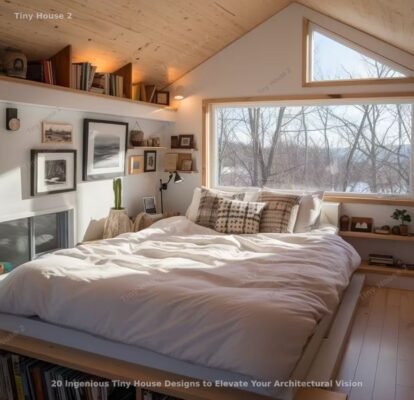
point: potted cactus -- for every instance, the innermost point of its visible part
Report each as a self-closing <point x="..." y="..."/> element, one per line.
<point x="403" y="217"/>
<point x="118" y="221"/>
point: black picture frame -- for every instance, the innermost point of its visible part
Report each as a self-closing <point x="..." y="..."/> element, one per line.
<point x="36" y="175"/>
<point x="90" y="172"/>
<point x="182" y="139"/>
<point x="162" y="97"/>
<point x="147" y="167"/>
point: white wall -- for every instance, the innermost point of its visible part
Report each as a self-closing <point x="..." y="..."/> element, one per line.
<point x="267" y="61"/>
<point x="92" y="200"/>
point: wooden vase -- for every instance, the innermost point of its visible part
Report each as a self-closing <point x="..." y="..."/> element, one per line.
<point x="117" y="223"/>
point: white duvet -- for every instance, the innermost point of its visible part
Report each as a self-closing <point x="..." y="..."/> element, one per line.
<point x="245" y="304"/>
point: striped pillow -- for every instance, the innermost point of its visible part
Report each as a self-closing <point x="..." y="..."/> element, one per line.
<point x="238" y="217"/>
<point x="209" y="204"/>
<point x="279" y="215"/>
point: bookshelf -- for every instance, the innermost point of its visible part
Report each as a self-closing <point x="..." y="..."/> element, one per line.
<point x="376" y="236"/>
<point x="62" y="64"/>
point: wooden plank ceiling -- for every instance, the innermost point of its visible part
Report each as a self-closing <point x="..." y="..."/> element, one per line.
<point x="163" y="38"/>
<point x="167" y="38"/>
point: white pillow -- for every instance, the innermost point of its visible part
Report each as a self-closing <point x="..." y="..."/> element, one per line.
<point x="309" y="212"/>
<point x="192" y="210"/>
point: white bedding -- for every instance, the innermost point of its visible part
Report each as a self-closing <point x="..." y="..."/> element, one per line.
<point x="245" y="304"/>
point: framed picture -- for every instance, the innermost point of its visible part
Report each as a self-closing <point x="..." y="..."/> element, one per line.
<point x="170" y="162"/>
<point x="181" y="158"/>
<point x="56" y="133"/>
<point x="186" y="141"/>
<point x="52" y="171"/>
<point x="163" y="97"/>
<point x="361" y="224"/>
<point x="150" y="161"/>
<point x="149" y="205"/>
<point x="186" y="165"/>
<point x="136" y="165"/>
<point x="174" y="142"/>
<point x="104" y="149"/>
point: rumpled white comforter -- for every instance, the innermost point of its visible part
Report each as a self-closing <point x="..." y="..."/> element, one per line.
<point x="245" y="304"/>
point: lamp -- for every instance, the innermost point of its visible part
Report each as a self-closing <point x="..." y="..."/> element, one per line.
<point x="164" y="185"/>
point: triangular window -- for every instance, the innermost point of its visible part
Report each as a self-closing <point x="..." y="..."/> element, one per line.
<point x="333" y="58"/>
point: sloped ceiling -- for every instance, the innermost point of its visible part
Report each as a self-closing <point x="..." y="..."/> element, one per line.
<point x="167" y="38"/>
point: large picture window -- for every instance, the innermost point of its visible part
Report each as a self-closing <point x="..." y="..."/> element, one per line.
<point x="356" y="148"/>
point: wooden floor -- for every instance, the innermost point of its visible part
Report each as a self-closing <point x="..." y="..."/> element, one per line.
<point x="380" y="350"/>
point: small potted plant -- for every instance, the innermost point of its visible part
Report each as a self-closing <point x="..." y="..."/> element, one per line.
<point x="404" y="218"/>
<point x="118" y="221"/>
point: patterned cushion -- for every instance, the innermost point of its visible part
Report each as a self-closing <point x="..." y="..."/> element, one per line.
<point x="209" y="203"/>
<point x="280" y="213"/>
<point x="235" y="216"/>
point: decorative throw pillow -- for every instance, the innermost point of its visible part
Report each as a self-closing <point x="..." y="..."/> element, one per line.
<point x="279" y="215"/>
<point x="235" y="216"/>
<point x="209" y="204"/>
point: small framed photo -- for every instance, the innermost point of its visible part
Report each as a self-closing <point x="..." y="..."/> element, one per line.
<point x="136" y="165"/>
<point x="186" y="165"/>
<point x="361" y="224"/>
<point x="186" y="141"/>
<point x="174" y="142"/>
<point x="150" y="161"/>
<point x="149" y="205"/>
<point x="163" y="98"/>
<point x="52" y="171"/>
<point x="56" y="133"/>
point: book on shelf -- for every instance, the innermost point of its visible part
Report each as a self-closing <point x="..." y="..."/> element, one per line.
<point x="41" y="71"/>
<point x="82" y="75"/>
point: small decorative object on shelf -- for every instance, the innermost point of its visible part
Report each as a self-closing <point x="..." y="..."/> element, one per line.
<point x="15" y="63"/>
<point x="186" y="141"/>
<point x="136" y="136"/>
<point x="381" y="259"/>
<point x="395" y="230"/>
<point x="174" y="142"/>
<point x="118" y="221"/>
<point x="344" y="223"/>
<point x="186" y="165"/>
<point x="384" y="230"/>
<point x="403" y="217"/>
<point x="170" y="162"/>
<point x="5" y="267"/>
<point x="361" y="224"/>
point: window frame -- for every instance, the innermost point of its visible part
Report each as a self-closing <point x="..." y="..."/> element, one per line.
<point x="208" y="169"/>
<point x="308" y="27"/>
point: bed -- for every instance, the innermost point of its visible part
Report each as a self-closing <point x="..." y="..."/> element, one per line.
<point x="180" y="297"/>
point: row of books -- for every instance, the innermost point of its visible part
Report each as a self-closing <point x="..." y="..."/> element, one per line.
<point x="381" y="259"/>
<point x="85" y="77"/>
<point x="41" y="71"/>
<point x="23" y="378"/>
<point x="144" y="92"/>
<point x="149" y="395"/>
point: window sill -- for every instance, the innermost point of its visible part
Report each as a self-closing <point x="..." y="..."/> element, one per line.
<point x="378" y="200"/>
